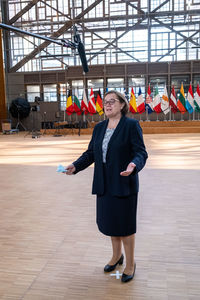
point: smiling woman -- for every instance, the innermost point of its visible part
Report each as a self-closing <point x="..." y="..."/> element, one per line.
<point x="118" y="151"/>
<point x="115" y="104"/>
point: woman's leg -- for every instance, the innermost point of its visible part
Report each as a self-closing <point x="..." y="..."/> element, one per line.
<point x="117" y="249"/>
<point x="129" y="245"/>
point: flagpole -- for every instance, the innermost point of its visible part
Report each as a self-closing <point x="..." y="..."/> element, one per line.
<point x="156" y="117"/>
<point x="147" y="115"/>
<point x="83" y="117"/>
<point x="193" y="114"/>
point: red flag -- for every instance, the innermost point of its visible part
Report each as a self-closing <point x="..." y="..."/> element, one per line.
<point x="84" y="103"/>
<point x="149" y="101"/>
<point x="172" y="101"/>
<point x="99" y="104"/>
<point x="156" y="102"/>
<point x="92" y="104"/>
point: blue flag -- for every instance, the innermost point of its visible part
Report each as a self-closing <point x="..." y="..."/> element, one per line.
<point x="189" y="107"/>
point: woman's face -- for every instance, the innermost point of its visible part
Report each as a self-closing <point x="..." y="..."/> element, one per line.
<point x="112" y="106"/>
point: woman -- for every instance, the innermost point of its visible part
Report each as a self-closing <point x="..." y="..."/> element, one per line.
<point x="118" y="151"/>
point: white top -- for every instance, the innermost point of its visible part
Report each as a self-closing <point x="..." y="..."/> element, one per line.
<point x="109" y="132"/>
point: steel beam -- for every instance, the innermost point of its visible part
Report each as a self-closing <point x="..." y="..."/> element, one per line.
<point x="23" y="11"/>
<point x="64" y="28"/>
<point x="143" y="16"/>
<point x="6" y="36"/>
<point x="125" y="17"/>
<point x="179" y="33"/>
<point x="176" y="46"/>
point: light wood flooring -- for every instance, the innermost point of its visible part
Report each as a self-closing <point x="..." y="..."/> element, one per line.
<point x="50" y="247"/>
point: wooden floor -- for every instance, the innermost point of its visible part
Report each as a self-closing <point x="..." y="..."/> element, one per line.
<point x="50" y="248"/>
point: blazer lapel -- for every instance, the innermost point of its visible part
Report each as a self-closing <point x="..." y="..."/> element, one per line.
<point x="103" y="130"/>
<point x="100" y="138"/>
<point x="120" y="125"/>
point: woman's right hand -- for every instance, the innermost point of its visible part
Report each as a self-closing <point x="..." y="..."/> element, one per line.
<point x="70" y="169"/>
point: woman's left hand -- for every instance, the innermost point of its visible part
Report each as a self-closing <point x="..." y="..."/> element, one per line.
<point x="130" y="168"/>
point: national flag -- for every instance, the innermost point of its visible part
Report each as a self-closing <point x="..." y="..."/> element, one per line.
<point x="125" y="94"/>
<point x="140" y="102"/>
<point x="149" y="101"/>
<point x="92" y="104"/>
<point x="84" y="103"/>
<point x="190" y="100"/>
<point x="181" y="101"/>
<point x="132" y="103"/>
<point x="172" y="101"/>
<point x="99" y="104"/>
<point x="77" y="105"/>
<point x="197" y="99"/>
<point x="69" y="107"/>
<point x="165" y="102"/>
<point x="156" y="102"/>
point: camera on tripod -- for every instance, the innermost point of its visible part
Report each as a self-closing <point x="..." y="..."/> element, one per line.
<point x="35" y="107"/>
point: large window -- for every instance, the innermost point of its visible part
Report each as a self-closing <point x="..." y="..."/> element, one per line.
<point x="136" y="83"/>
<point x="50" y="93"/>
<point x="159" y="82"/>
<point x="176" y="81"/>
<point x="96" y="85"/>
<point x="115" y="84"/>
<point x="77" y="88"/>
<point x="63" y="95"/>
<point x="196" y="80"/>
<point x="32" y="92"/>
<point x="113" y="32"/>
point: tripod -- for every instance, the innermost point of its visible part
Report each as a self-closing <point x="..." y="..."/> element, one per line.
<point x="44" y="123"/>
<point x="18" y="120"/>
<point x="35" y="134"/>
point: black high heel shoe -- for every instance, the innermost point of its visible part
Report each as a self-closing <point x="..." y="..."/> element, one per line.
<point x="109" y="268"/>
<point x="126" y="278"/>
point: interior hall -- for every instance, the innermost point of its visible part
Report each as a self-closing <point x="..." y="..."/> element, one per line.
<point x="68" y="70"/>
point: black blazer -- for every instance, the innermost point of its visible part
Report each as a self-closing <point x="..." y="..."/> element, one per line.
<point x="126" y="145"/>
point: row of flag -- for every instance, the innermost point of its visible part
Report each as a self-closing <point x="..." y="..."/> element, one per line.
<point x="164" y="104"/>
<point x="85" y="106"/>
<point x="152" y="103"/>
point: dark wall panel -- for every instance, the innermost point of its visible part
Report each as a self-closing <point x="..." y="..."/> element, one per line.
<point x="158" y="68"/>
<point x="139" y="69"/>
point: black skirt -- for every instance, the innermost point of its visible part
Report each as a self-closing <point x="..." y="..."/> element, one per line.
<point x="116" y="216"/>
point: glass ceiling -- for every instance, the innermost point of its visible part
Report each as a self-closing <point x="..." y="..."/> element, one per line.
<point x="113" y="31"/>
